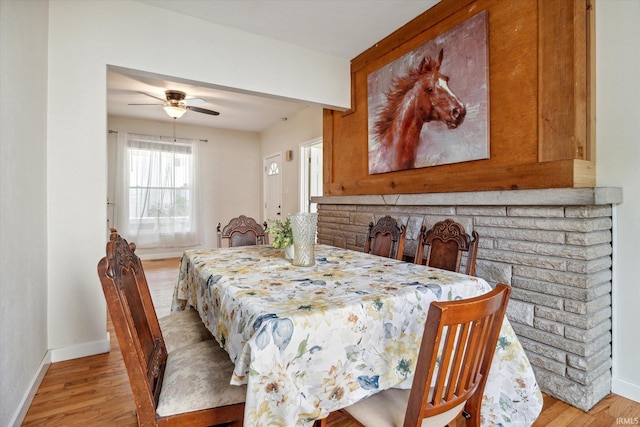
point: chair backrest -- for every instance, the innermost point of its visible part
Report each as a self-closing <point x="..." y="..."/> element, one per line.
<point x="446" y="241"/>
<point x="458" y="344"/>
<point x="243" y="231"/>
<point x="135" y="323"/>
<point x="386" y="238"/>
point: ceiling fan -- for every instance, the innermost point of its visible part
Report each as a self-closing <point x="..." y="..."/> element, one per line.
<point x="177" y="103"/>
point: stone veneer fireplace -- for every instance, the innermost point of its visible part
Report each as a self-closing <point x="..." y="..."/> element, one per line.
<point x="554" y="247"/>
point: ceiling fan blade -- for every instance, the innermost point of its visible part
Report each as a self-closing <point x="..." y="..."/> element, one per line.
<point x="144" y="104"/>
<point x="195" y="101"/>
<point x="153" y="96"/>
<point x="202" y="110"/>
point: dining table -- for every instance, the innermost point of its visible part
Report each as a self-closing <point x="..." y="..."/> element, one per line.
<point x="311" y="340"/>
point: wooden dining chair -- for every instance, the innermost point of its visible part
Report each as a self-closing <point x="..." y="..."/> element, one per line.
<point x="446" y="242"/>
<point x="190" y="385"/>
<point x="178" y="329"/>
<point x="386" y="238"/>
<point x="243" y="231"/>
<point x="458" y="344"/>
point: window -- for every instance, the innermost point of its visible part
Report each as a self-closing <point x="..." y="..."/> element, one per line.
<point x="159" y="182"/>
<point x="273" y="169"/>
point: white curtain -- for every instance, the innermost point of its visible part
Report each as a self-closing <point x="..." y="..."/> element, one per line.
<point x="157" y="191"/>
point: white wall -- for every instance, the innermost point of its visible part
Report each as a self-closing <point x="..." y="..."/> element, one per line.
<point x="84" y="37"/>
<point x="23" y="220"/>
<point x="617" y="164"/>
<point x="230" y="166"/>
<point x="305" y="126"/>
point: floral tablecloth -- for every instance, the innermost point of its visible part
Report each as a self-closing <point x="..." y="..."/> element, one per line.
<point x="311" y="340"/>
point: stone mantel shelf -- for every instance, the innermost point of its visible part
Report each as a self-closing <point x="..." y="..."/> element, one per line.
<point x="546" y="197"/>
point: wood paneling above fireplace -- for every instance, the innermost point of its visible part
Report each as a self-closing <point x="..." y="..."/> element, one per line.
<point x="541" y="136"/>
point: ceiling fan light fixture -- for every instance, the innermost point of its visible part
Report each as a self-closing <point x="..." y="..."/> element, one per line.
<point x="175" y="111"/>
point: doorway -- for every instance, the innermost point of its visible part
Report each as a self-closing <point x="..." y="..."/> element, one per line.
<point x="310" y="174"/>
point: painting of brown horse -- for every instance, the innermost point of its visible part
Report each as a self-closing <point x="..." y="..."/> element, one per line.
<point x="421" y="96"/>
<point x="417" y="118"/>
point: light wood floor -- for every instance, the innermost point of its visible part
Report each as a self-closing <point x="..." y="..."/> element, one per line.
<point x="94" y="391"/>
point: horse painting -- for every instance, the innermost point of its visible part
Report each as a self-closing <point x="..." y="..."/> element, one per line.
<point x="421" y="96"/>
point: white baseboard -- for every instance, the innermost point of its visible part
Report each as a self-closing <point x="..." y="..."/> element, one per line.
<point x="81" y="350"/>
<point x="625" y="389"/>
<point x="25" y="403"/>
<point x="51" y="356"/>
<point x="164" y="255"/>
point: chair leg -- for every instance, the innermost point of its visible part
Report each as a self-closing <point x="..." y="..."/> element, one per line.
<point x="472" y="420"/>
<point x="471" y="412"/>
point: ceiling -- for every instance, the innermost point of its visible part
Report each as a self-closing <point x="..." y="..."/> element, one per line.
<point x="343" y="28"/>
<point x="238" y="111"/>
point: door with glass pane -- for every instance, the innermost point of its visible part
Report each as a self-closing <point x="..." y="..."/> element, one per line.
<point x="273" y="187"/>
